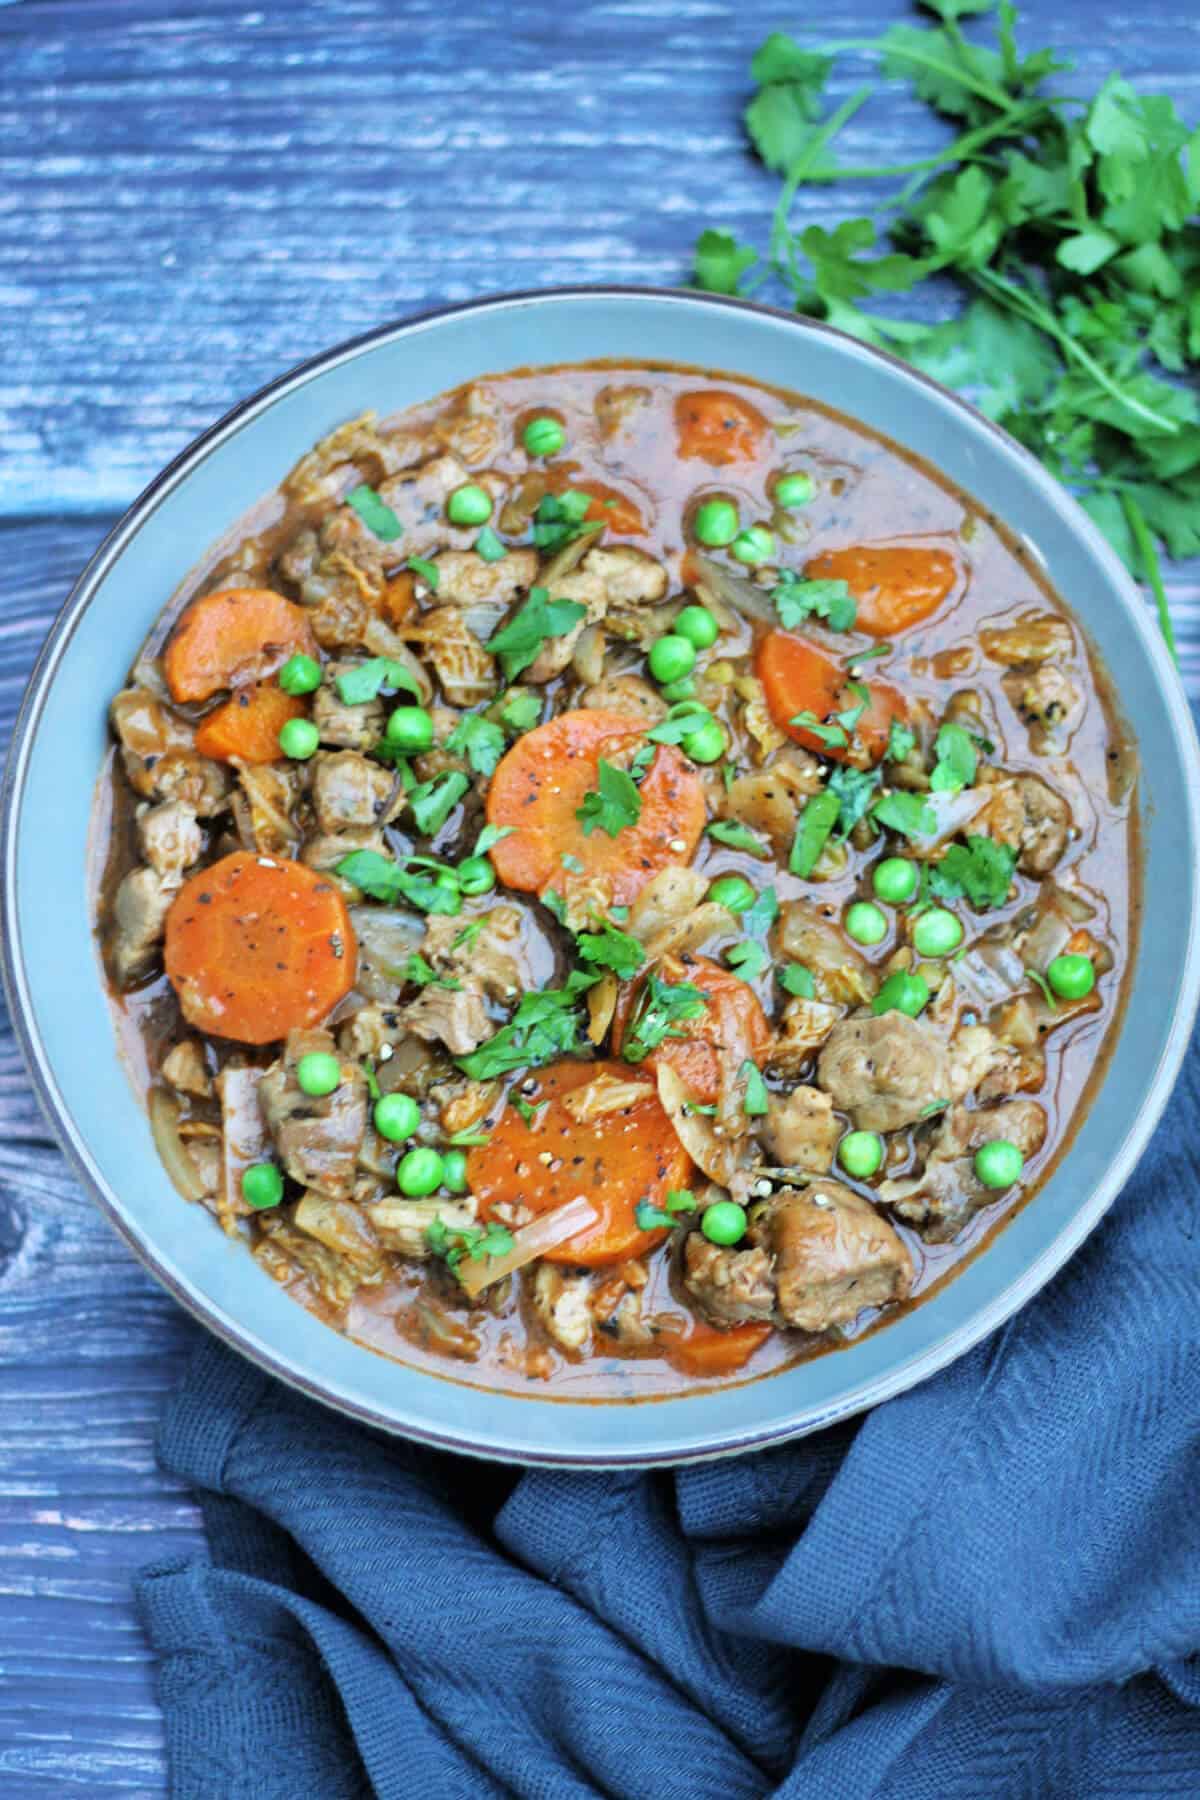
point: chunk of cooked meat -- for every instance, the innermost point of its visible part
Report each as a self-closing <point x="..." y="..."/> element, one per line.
<point x="360" y="444"/>
<point x="327" y="851"/>
<point x="488" y="960"/>
<point x="263" y="806"/>
<point x="626" y="694"/>
<point x="139" y="914"/>
<point x="171" y="839"/>
<point x="947" y="1193"/>
<point x="290" y="1255"/>
<point x="1028" y="813"/>
<point x="299" y="557"/>
<point x="803" y="1027"/>
<point x="1034" y="638"/>
<point x="317" y="1137"/>
<point x="973" y="1052"/>
<point x="884" y="1071"/>
<point x="817" y="1257"/>
<point x="630" y="577"/>
<point x="842" y="976"/>
<point x="343" y="1228"/>
<point x="586" y="589"/>
<point x="158" y="754"/>
<point x="560" y="1300"/>
<point x="466" y="671"/>
<point x="1048" y="700"/>
<point x="473" y="431"/>
<point x="418" y="497"/>
<point x="731" y="1287"/>
<point x="800" y="1130"/>
<point x="455" y="1017"/>
<point x="349" y="791"/>
<point x="347" y="727"/>
<point x="400" y="1224"/>
<point x="465" y="579"/>
<point x="618" y="407"/>
<point x="370" y="1031"/>
<point x="769" y="799"/>
<point x="186" y="1070"/>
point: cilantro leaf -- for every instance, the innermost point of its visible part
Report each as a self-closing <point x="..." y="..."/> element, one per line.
<point x="781" y="117"/>
<point x="795" y="600"/>
<point x="367" y="679"/>
<point x="673" y="731"/>
<point x="429" y="572"/>
<point x="981" y="872"/>
<point x="479" y="740"/>
<point x="544" y="1027"/>
<point x="720" y="262"/>
<point x="517" y="644"/>
<point x="738" y="837"/>
<point x="956" y="761"/>
<point x="662" y="1006"/>
<point x="747" y="959"/>
<point x="854" y="789"/>
<point x="490" y="547"/>
<point x="559" y="520"/>
<point x="521" y="711"/>
<point x="423" y="974"/>
<point x="490" y="836"/>
<point x="432" y="802"/>
<point x="812" y="832"/>
<point x="375" y="513"/>
<point x="452" y="1243"/>
<point x="391" y="882"/>
<point x="613" y="805"/>
<point x="754" y="1102"/>
<point x="907" y="814"/>
<point x="611" y="948"/>
<point x="794" y="978"/>
<point x="763" y="914"/>
<point x="901" y="742"/>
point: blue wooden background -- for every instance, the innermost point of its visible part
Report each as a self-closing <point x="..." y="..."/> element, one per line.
<point x="193" y="197"/>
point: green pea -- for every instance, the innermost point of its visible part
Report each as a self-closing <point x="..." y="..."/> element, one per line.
<point x="861" y="1154"/>
<point x="865" y="923"/>
<point x="724" y="1222"/>
<point x="1071" y="977"/>
<point x="396" y="1117"/>
<point x="937" y="932"/>
<point x="679" y="690"/>
<point x="733" y="892"/>
<point x="794" y="490"/>
<point x="318" y="1073"/>
<point x="469" y="505"/>
<point x="300" y="675"/>
<point x="998" y="1163"/>
<point x="902" y="992"/>
<point x="409" y="728"/>
<point x="706" y="744"/>
<point x="716" y="523"/>
<point x="544" y="436"/>
<point x="419" y="1173"/>
<point x="671" y="658"/>
<point x="895" y="880"/>
<point x="299" y="739"/>
<point x="454" y="1171"/>
<point x="698" y="626"/>
<point x="753" y="546"/>
<point x="476" y="875"/>
<point x="262" y="1186"/>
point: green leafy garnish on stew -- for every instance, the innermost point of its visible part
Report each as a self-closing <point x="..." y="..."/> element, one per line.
<point x="794" y="978"/>
<point x="854" y="789"/>
<point x="545" y="1026"/>
<point x="518" y="643"/>
<point x="391" y="882"/>
<point x="559" y="520"/>
<point x="747" y="959"/>
<point x="795" y="600"/>
<point x="686" y="718"/>
<point x="956" y="763"/>
<point x="661" y="1008"/>
<point x="981" y="872"/>
<point x="833" y="736"/>
<point x="762" y="915"/>
<point x="738" y="837"/>
<point x="452" y="1243"/>
<point x="417" y="970"/>
<point x="368" y="679"/>
<point x="521" y="711"/>
<point x="489" y="546"/>
<point x="479" y="740"/>
<point x="611" y="948"/>
<point x="907" y="814"/>
<point x="375" y="513"/>
<point x="613" y="805"/>
<point x="432" y="802"/>
<point x="901" y="742"/>
<point x="429" y="572"/>
<point x="754" y="1102"/>
<point x="1040" y="982"/>
<point x="813" y="827"/>
<point x="657" y="1218"/>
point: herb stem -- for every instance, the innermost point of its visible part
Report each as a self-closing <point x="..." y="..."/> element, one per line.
<point x="1148" y="557"/>
<point x="780" y="237"/>
<point x="905" y="53"/>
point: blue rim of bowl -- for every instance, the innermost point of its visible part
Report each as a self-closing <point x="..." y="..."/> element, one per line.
<point x="235" y="1333"/>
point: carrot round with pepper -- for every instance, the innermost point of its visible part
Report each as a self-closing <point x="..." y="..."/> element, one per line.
<point x="257" y="946"/>
<point x="895" y="585"/>
<point x="711" y="1350"/>
<point x="797" y="677"/>
<point x="733" y="1020"/>
<point x="616" y="1160"/>
<point x="232" y="638"/>
<point x="718" y="427"/>
<point x="540" y="785"/>
<point x="247" y="726"/>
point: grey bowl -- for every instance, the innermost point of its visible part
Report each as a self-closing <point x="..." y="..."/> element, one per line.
<point x="62" y="1016"/>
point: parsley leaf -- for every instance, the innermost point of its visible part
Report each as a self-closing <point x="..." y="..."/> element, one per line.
<point x="655" y="1218"/>
<point x="721" y="261"/>
<point x="981" y="872"/>
<point x="795" y="600"/>
<point x="673" y="731"/>
<point x="489" y="546"/>
<point x="375" y="513"/>
<point x="451" y="1244"/>
<point x="956" y="761"/>
<point x="521" y="711"/>
<point x="854" y="789"/>
<point x="367" y="679"/>
<point x="544" y="1027"/>
<point x="423" y="973"/>
<point x="738" y="837"/>
<point x="432" y="802"/>
<point x="391" y="882"/>
<point x="559" y="520"/>
<point x="747" y="959"/>
<point x="479" y="740"/>
<point x="660" y="1009"/>
<point x="613" y="805"/>
<point x="613" y="949"/>
<point x="429" y="572"/>
<point x="763" y="914"/>
<point x="907" y="814"/>
<point x="794" y="978"/>
<point x="834" y="737"/>
<point x="754" y="1103"/>
<point x="901" y="742"/>
<point x="490" y="836"/>
<point x="812" y="832"/>
<point x="517" y="644"/>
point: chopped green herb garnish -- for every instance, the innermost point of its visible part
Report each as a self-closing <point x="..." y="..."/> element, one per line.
<point x="981" y="872"/>
<point x="908" y="814"/>
<point x="368" y="1069"/>
<point x="935" y="1106"/>
<point x="559" y="519"/>
<point x="747" y="959"/>
<point x="795" y="599"/>
<point x="520" y="711"/>
<point x="812" y="832"/>
<point x="451" y="1244"/>
<point x="689" y="717"/>
<point x="469" y="1140"/>
<point x="863" y="656"/>
<point x="391" y="882"/>
<point x="855" y="789"/>
<point x="661" y="1008"/>
<point x="468" y="936"/>
<point x="794" y="978"/>
<point x="610" y="948"/>
<point x="738" y="837"/>
<point x="956" y="761"/>
<point x="613" y="805"/>
<point x="762" y="915"/>
<point x="432" y="802"/>
<point x="528" y="1113"/>
<point x="572" y="863"/>
<point x="658" y="1218"/>
<point x="544" y="1027"/>
<point x="479" y="740"/>
<point x="901" y="742"/>
<point x="755" y="1102"/>
<point x="518" y="643"/>
<point x="834" y="737"/>
<point x="489" y="546"/>
<point x="490" y="836"/>
<point x="364" y="682"/>
<point x="640" y="765"/>
<point x="553" y="901"/>
<point x="417" y="970"/>
<point x="1039" y="981"/>
<point x="429" y="572"/>
<point x="375" y="513"/>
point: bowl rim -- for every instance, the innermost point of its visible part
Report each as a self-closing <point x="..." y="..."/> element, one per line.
<point x="235" y="1332"/>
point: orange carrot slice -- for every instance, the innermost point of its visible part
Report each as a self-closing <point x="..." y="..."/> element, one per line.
<point x="231" y="638"/>
<point x="733" y="1019"/>
<point x="717" y="427"/>
<point x="247" y="726"/>
<point x="797" y="677"/>
<point x="896" y="585"/>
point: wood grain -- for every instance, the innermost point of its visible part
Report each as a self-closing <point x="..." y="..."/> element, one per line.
<point x="191" y="199"/>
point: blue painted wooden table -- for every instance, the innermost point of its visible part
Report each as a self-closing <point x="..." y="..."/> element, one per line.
<point x="192" y="198"/>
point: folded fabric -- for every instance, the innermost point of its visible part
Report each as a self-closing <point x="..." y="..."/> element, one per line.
<point x="987" y="1587"/>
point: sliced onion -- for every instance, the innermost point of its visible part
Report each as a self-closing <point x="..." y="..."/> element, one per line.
<point x="544" y="1233"/>
<point x="953" y="812"/>
<point x="719" y="1157"/>
<point x="176" y="1159"/>
<point x="745" y="597"/>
